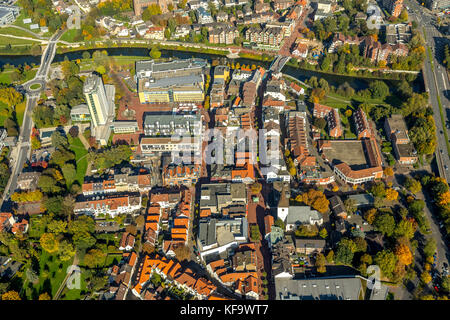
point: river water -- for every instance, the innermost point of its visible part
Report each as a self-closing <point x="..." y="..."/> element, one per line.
<point x="335" y="80"/>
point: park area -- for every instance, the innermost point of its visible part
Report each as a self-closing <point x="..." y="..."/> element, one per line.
<point x="6" y="113"/>
<point x="80" y="157"/>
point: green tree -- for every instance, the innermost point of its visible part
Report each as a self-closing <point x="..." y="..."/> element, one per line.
<point x="366" y="258"/>
<point x="69" y="172"/>
<point x="155" y="53"/>
<point x="321" y="263"/>
<point x="101" y="69"/>
<point x="279" y="223"/>
<point x="413" y="185"/>
<point x="405" y="228"/>
<point x="330" y="256"/>
<point x="445" y="283"/>
<point x="86" y="55"/>
<point x="53" y="204"/>
<point x="323" y="233"/>
<point x="57" y="226"/>
<point x="83" y="240"/>
<point x="82" y="224"/>
<point x="94" y="258"/>
<point x="361" y="244"/>
<point x="61" y="156"/>
<point x="379" y="89"/>
<point x="48" y="184"/>
<point x="150" y="11"/>
<point x="66" y="251"/>
<point x="378" y="190"/>
<point x="35" y="143"/>
<point x="344" y="254"/>
<point x="320" y="123"/>
<point x="11" y="127"/>
<point x="385" y="223"/>
<point x="387" y="261"/>
<point x="404" y="15"/>
<point x="58" y="140"/>
<point x="307" y="231"/>
<point x="430" y="247"/>
<point x="326" y="63"/>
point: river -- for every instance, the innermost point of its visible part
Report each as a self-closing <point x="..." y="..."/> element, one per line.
<point x="301" y="74"/>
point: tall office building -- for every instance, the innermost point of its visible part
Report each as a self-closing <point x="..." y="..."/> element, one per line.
<point x="100" y="101"/>
<point x="95" y="94"/>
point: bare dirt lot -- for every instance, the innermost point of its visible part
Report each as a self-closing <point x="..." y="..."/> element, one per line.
<point x="350" y="152"/>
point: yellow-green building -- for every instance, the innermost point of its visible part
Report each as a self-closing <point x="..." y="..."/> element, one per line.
<point x="177" y="89"/>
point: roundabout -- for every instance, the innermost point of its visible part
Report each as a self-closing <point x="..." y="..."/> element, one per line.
<point x="34" y="86"/>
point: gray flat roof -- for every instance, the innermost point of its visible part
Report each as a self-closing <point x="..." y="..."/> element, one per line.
<point x="163" y="119"/>
<point x="362" y="199"/>
<point x="318" y="289"/>
<point x="80" y="109"/>
<point x="302" y="214"/>
<point x="171" y="65"/>
<point x="171" y="82"/>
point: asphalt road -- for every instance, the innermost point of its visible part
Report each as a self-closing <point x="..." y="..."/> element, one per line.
<point x="436" y="82"/>
<point x="24" y="139"/>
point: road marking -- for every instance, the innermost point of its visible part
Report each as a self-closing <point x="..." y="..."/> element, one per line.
<point x="445" y="85"/>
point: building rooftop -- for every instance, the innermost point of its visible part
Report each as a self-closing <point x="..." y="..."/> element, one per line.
<point x="151" y="68"/>
<point x="362" y="199"/>
<point x="302" y="215"/>
<point x="406" y="150"/>
<point x="184" y="81"/>
<point x="318" y="289"/>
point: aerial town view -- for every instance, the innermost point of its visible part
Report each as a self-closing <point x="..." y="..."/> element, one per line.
<point x="224" y="150"/>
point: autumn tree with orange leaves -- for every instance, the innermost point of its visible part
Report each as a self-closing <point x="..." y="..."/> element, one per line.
<point x="444" y="198"/>
<point x="388" y="172"/>
<point x="11" y="295"/>
<point x="404" y="254"/>
<point x="370" y="215"/>
<point x="315" y="199"/>
<point x="391" y="194"/>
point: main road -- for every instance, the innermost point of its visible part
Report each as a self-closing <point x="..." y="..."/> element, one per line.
<point x="436" y="82"/>
<point x="33" y="89"/>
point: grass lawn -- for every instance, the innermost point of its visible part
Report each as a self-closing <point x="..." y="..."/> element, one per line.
<point x="35" y="86"/>
<point x="20" y="111"/>
<point x="89" y="64"/>
<point x="69" y="35"/>
<point x="74" y="294"/>
<point x="5" y="76"/>
<point x="13" y="41"/>
<point x="19" y="21"/>
<point x="17" y="32"/>
<point x="55" y="270"/>
<point x="80" y="157"/>
<point x="4" y="113"/>
<point x="112" y="259"/>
